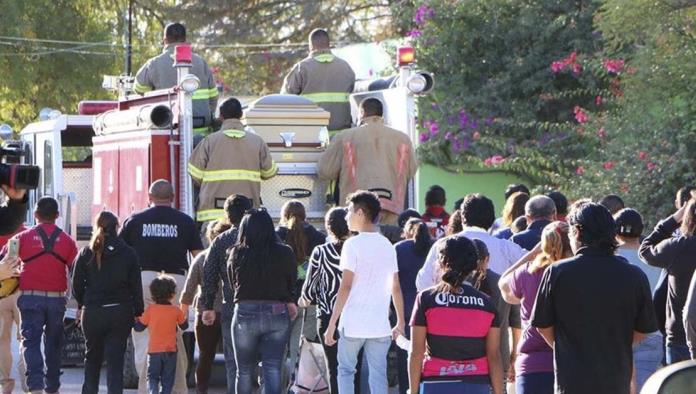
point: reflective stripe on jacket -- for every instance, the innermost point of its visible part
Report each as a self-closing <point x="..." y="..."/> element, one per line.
<point x="159" y="73"/>
<point x="230" y="161"/>
<point x="327" y="80"/>
<point x="371" y="157"/>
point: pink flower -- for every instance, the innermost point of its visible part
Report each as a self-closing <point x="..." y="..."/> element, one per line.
<point x="601" y="133"/>
<point x="651" y="166"/>
<point x="494" y="161"/>
<point x="642" y="155"/>
<point x="608" y="165"/>
<point x="424" y="137"/>
<point x="434" y="128"/>
<point x="476" y="136"/>
<point x="557" y="67"/>
<point x="415" y="33"/>
<point x="598" y="100"/>
<point x="577" y="68"/>
<point x="449" y="136"/>
<point x="614" y="66"/>
<point x="423" y="13"/>
<point x="580" y="115"/>
<point x="580" y="170"/>
<point x="571" y="59"/>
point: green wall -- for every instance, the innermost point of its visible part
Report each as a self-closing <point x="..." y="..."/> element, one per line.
<point x="491" y="183"/>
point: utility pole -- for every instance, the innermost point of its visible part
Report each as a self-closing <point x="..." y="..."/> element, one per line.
<point x="129" y="38"/>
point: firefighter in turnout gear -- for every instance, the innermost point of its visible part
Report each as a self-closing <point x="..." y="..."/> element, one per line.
<point x="159" y="73"/>
<point x="371" y="157"/>
<point x="325" y="79"/>
<point x="229" y="161"/>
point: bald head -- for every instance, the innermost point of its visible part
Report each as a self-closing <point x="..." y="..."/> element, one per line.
<point x="540" y="208"/>
<point x="161" y="192"/>
<point x="319" y="39"/>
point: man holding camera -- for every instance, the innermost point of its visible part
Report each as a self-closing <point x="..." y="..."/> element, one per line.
<point x="12" y="215"/>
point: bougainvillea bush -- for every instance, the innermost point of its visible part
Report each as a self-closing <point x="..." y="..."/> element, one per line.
<point x="559" y="93"/>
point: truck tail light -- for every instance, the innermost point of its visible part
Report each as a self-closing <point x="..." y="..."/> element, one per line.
<point x="405" y="56"/>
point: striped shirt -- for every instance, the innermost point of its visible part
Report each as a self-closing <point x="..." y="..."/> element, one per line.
<point x="323" y="277"/>
<point x="456" y="326"/>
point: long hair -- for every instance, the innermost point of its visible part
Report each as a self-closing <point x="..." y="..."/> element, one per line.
<point x="418" y="231"/>
<point x="458" y="257"/>
<point x="688" y="227"/>
<point x="293" y="216"/>
<point x="106" y="223"/>
<point x="256" y="237"/>
<point x="482" y="264"/>
<point x="555" y="246"/>
<point x="455" y="223"/>
<point x="514" y="207"/>
<point x="336" y="225"/>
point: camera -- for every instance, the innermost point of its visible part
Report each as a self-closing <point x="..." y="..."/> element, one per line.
<point x="13" y="173"/>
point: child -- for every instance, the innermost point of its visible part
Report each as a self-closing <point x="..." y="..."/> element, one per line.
<point x="370" y="280"/>
<point x="435" y="215"/>
<point x="162" y="319"/>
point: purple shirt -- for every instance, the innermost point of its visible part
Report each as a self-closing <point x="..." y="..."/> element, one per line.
<point x="533" y="353"/>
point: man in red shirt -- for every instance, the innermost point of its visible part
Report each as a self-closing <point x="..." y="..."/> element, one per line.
<point x="46" y="254"/>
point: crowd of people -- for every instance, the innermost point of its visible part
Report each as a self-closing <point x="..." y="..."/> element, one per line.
<point x="571" y="300"/>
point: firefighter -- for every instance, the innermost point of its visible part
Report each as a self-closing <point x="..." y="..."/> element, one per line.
<point x="371" y="157"/>
<point x="229" y="161"/>
<point x="159" y="73"/>
<point x="325" y="79"/>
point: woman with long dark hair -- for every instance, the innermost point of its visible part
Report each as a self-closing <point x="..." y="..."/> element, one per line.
<point x="263" y="273"/>
<point x="410" y="256"/>
<point x="302" y="237"/>
<point x="462" y="357"/>
<point x="107" y="286"/>
<point x="322" y="284"/>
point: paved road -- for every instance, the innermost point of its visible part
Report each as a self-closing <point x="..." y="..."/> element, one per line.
<point x="71" y="380"/>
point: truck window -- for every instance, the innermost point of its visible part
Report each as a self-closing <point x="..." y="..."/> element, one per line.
<point x="48" y="169"/>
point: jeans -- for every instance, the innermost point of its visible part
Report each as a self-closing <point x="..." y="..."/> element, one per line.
<point x="453" y="388"/>
<point x="228" y="348"/>
<point x="376" y="350"/>
<point x="331" y="356"/>
<point x="106" y="331"/>
<point x="260" y="328"/>
<point x="42" y="318"/>
<point x="534" y="383"/>
<point x="161" y="370"/>
<point x="647" y="356"/>
<point x="207" y="338"/>
<point x="675" y="353"/>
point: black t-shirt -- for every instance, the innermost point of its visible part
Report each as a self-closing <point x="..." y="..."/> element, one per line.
<point x="162" y="237"/>
<point x="269" y="280"/>
<point x="594" y="301"/>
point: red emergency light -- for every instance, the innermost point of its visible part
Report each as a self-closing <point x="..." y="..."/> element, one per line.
<point x="183" y="53"/>
<point x="95" y="107"/>
<point x="405" y="56"/>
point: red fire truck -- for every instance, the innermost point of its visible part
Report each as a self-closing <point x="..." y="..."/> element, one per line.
<point x="106" y="156"/>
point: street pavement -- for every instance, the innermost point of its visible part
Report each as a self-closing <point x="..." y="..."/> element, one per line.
<point x="72" y="378"/>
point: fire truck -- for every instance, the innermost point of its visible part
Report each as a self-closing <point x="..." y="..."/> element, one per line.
<point x="106" y="156"/>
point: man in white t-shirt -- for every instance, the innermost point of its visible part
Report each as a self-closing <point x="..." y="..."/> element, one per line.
<point x="370" y="281"/>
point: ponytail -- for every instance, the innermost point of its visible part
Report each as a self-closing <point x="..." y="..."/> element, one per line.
<point x="458" y="258"/>
<point x="293" y="217"/>
<point x="418" y="231"/>
<point x="105" y="225"/>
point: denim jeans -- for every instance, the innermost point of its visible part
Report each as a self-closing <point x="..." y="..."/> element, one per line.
<point x="454" y="388"/>
<point x="161" y="370"/>
<point x="534" y="383"/>
<point x="42" y="318"/>
<point x="673" y="353"/>
<point x="260" y="328"/>
<point x="376" y="350"/>
<point x="228" y="348"/>
<point x="647" y="356"/>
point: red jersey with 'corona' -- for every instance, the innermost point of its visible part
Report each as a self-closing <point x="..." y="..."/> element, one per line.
<point x="457" y="326"/>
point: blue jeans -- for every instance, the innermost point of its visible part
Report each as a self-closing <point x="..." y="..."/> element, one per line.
<point x="260" y="328"/>
<point x="228" y="348"/>
<point x="647" y="356"/>
<point x="376" y="350"/>
<point x="453" y="388"/>
<point x="42" y="318"/>
<point x="673" y="353"/>
<point x="161" y="369"/>
<point x="534" y="383"/>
